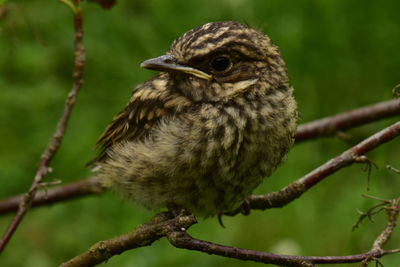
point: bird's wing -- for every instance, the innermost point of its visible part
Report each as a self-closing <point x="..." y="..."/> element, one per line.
<point x="147" y="106"/>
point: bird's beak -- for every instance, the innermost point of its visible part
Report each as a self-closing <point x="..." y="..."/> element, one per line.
<point x="168" y="63"/>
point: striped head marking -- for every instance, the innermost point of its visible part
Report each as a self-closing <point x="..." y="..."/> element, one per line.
<point x="228" y="51"/>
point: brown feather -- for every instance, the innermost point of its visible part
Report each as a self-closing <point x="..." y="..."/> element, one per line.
<point x="148" y="105"/>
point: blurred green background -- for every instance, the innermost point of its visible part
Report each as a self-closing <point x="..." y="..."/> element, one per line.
<point x="340" y="54"/>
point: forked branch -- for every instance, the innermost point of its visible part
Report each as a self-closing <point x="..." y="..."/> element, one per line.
<point x="174" y="229"/>
<point x="55" y="142"/>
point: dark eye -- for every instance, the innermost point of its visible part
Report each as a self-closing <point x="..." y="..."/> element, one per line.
<point x="220" y="63"/>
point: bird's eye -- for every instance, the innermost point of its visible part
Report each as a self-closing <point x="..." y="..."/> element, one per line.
<point x="220" y="63"/>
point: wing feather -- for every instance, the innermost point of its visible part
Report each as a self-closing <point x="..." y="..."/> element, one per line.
<point x="147" y="106"/>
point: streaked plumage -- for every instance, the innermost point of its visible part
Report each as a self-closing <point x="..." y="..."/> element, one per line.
<point x="203" y="133"/>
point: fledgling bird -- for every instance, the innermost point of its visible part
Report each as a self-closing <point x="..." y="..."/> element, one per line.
<point x="203" y="133"/>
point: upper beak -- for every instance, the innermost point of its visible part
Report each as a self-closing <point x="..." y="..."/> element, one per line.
<point x="168" y="63"/>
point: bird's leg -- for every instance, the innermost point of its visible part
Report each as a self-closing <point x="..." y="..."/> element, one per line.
<point x="245" y="207"/>
<point x="176" y="210"/>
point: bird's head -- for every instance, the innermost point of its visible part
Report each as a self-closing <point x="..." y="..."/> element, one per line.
<point x="219" y="60"/>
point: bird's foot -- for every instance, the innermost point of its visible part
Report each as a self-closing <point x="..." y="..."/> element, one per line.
<point x="176" y="210"/>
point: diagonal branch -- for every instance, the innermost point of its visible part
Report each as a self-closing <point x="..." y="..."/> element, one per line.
<point x="55" y="142"/>
<point x="297" y="188"/>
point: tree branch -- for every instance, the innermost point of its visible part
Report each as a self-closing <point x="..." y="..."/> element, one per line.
<point x="55" y="142"/>
<point x="81" y="188"/>
<point x="392" y="209"/>
<point x="184" y="240"/>
<point x="164" y="224"/>
<point x="143" y="235"/>
<point x="332" y="125"/>
<point x="181" y="239"/>
<point x="297" y="188"/>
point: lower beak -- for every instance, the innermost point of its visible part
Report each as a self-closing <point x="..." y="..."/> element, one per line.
<point x="168" y="63"/>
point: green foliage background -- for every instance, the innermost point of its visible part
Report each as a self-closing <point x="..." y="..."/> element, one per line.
<point x="340" y="54"/>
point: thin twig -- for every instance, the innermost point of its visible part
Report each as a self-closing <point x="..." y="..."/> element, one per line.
<point x="55" y="141"/>
<point x="332" y="125"/>
<point x="392" y="210"/>
<point x="369" y="214"/>
<point x="381" y="206"/>
<point x="81" y="188"/>
<point x="69" y="4"/>
<point x="183" y="240"/>
<point x="393" y="169"/>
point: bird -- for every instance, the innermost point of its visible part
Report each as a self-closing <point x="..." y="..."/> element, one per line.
<point x="203" y="133"/>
